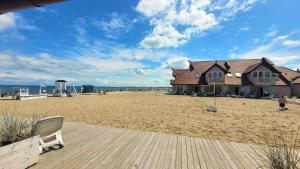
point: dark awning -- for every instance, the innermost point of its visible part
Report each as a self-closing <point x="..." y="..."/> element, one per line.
<point x="12" y="5"/>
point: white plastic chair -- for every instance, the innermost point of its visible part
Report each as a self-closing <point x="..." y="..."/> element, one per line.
<point x="49" y="128"/>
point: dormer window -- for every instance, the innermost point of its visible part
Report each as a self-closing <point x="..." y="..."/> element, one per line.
<point x="255" y="74"/>
<point x="261" y="74"/>
<point x="215" y="74"/>
<point x="267" y="74"/>
<point x="209" y="74"/>
<point x="220" y="75"/>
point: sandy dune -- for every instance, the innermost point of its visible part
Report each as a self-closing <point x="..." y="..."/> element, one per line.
<point x="239" y="120"/>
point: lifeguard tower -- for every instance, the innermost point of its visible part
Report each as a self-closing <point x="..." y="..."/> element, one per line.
<point x="60" y="89"/>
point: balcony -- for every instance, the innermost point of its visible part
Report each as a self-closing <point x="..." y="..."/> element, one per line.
<point x="215" y="79"/>
<point x="264" y="80"/>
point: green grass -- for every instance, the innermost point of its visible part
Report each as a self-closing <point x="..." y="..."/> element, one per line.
<point x="15" y="127"/>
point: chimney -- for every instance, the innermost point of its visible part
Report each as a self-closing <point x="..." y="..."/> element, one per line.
<point x="191" y="67"/>
<point x="227" y="66"/>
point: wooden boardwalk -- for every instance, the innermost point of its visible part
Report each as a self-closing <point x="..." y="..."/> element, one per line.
<point x="91" y="146"/>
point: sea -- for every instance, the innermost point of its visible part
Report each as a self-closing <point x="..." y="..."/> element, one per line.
<point x="7" y="89"/>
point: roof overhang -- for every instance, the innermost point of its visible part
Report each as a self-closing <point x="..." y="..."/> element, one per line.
<point x="12" y="5"/>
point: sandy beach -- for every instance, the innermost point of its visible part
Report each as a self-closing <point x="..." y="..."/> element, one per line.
<point x="237" y="119"/>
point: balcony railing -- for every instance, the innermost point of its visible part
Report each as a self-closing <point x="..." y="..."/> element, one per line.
<point x="264" y="80"/>
<point x="215" y="79"/>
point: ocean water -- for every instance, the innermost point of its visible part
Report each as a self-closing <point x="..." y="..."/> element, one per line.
<point x="7" y="89"/>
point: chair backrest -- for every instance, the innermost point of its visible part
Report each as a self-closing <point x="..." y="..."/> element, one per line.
<point x="50" y="125"/>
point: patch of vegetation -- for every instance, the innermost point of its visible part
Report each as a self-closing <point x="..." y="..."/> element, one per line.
<point x="281" y="150"/>
<point x="15" y="127"/>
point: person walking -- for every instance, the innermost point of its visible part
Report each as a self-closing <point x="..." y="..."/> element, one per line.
<point x="282" y="102"/>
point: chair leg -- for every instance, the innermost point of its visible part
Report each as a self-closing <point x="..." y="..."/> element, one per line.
<point x="59" y="138"/>
<point x="40" y="146"/>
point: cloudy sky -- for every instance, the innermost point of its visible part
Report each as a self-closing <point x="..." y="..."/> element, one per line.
<point x="135" y="43"/>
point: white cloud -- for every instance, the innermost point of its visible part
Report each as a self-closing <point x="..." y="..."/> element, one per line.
<point x="230" y="8"/>
<point x="291" y="43"/>
<point x="272" y="33"/>
<point x="242" y="29"/>
<point x="80" y="31"/>
<point x="114" y="65"/>
<point x="176" y="62"/>
<point x="13" y="21"/>
<point x="176" y="21"/>
<point x="164" y="36"/>
<point x="276" y="48"/>
<point x="152" y="7"/>
<point x="116" y="25"/>
<point x="7" y="21"/>
<point x="6" y="60"/>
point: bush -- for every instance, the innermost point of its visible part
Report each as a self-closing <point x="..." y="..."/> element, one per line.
<point x="281" y="150"/>
<point x="14" y="128"/>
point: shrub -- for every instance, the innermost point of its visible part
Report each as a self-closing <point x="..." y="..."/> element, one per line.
<point x="281" y="150"/>
<point x="14" y="128"/>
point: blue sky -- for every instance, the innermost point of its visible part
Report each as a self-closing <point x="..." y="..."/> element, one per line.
<point x="135" y="43"/>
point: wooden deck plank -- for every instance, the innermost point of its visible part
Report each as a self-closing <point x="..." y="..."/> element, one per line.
<point x="245" y="155"/>
<point x="221" y="155"/>
<point x="159" y="155"/>
<point x="253" y="155"/>
<point x="150" y="160"/>
<point x="91" y="146"/>
<point x="231" y="154"/>
<point x="127" y="153"/>
<point x="169" y="153"/>
<point x="136" y="157"/>
<point x="164" y="153"/>
<point x="237" y="153"/>
<point x="184" y="163"/>
<point x="178" y="161"/>
<point x="102" y="158"/>
<point x="191" y="159"/>
<point x="144" y="156"/>
<point x="221" y="164"/>
<point x="227" y="156"/>
<point x="210" y="155"/>
<point x="72" y="146"/>
<point x="200" y="154"/>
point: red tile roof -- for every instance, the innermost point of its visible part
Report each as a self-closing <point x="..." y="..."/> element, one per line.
<point x="290" y="74"/>
<point x="242" y="66"/>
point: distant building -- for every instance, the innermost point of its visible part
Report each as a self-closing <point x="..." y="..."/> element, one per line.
<point x="87" y="89"/>
<point x="245" y="77"/>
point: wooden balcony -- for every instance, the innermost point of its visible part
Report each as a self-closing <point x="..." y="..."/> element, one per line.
<point x="264" y="80"/>
<point x="215" y="79"/>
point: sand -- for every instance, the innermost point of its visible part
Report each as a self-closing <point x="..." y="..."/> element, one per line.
<point x="237" y="119"/>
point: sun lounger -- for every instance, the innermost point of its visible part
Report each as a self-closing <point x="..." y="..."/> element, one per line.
<point x="49" y="130"/>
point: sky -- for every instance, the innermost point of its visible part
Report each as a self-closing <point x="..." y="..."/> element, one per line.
<point x="137" y="42"/>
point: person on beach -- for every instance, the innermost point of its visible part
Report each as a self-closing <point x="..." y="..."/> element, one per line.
<point x="282" y="101"/>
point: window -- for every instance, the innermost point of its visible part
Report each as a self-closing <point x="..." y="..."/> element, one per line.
<point x="255" y="74"/>
<point x="209" y="74"/>
<point x="215" y="74"/>
<point x="220" y="75"/>
<point x="261" y="74"/>
<point x="267" y="74"/>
